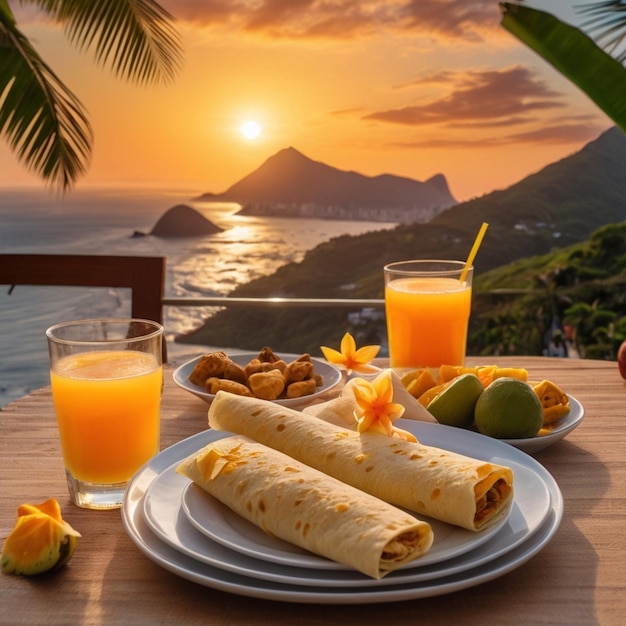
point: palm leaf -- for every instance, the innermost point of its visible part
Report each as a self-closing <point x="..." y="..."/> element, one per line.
<point x="573" y="54"/>
<point x="608" y="19"/>
<point x="137" y="38"/>
<point x="43" y="121"/>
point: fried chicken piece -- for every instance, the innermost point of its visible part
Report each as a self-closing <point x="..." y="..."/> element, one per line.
<point x="301" y="388"/>
<point x="214" y="384"/>
<point x="267" y="355"/>
<point x="267" y="376"/>
<point x="234" y="371"/>
<point x="279" y="365"/>
<point x="267" y="385"/>
<point x="298" y="370"/>
<point x="209" y="365"/>
<point x="255" y="366"/>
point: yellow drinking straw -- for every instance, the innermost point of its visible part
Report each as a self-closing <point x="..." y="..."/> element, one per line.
<point x="474" y="250"/>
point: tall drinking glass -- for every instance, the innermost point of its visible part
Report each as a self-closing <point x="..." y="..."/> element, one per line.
<point x="106" y="377"/>
<point x="427" y="307"/>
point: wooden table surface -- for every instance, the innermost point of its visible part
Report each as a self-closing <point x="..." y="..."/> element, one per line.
<point x="578" y="578"/>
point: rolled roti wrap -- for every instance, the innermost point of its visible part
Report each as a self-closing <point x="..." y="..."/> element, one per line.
<point x="306" y="507"/>
<point x="430" y="481"/>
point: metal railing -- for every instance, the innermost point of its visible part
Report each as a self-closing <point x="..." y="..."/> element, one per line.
<point x="224" y="301"/>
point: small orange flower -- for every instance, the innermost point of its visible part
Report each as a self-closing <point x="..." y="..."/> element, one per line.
<point x="352" y="359"/>
<point x="376" y="410"/>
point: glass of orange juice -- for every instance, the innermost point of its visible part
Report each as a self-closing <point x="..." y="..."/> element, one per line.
<point x="427" y="307"/>
<point x="106" y="377"/>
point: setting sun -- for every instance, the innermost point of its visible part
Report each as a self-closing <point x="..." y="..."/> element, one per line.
<point x="250" y="129"/>
<point x="391" y="105"/>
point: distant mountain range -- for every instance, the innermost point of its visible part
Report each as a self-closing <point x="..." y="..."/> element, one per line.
<point x="560" y="205"/>
<point x="293" y="185"/>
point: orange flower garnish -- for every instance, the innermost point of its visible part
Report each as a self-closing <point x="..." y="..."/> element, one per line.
<point x="352" y="359"/>
<point x="376" y="410"/>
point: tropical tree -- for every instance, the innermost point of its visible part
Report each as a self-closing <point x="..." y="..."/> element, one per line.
<point x="43" y="121"/>
<point x="587" y="63"/>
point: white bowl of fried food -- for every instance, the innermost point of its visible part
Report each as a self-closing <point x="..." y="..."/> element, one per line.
<point x="287" y="379"/>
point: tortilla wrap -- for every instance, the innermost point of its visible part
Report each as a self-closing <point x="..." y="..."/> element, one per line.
<point x="306" y="507"/>
<point x="430" y="481"/>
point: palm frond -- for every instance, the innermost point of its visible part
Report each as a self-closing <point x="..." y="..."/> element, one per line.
<point x="608" y="25"/>
<point x="137" y="38"/>
<point x="572" y="53"/>
<point x="43" y="121"/>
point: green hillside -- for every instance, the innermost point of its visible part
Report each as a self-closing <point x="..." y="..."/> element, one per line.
<point x="558" y="207"/>
<point x="582" y="287"/>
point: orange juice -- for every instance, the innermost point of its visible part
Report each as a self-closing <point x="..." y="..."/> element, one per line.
<point x="427" y="321"/>
<point x="107" y="406"/>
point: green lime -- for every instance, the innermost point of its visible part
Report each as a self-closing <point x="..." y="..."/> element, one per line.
<point x="508" y="409"/>
<point x="454" y="406"/>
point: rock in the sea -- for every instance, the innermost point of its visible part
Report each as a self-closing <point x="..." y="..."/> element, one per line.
<point x="183" y="221"/>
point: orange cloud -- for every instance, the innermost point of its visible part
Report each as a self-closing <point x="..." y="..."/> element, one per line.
<point x="556" y="133"/>
<point x="342" y="19"/>
<point x="456" y="18"/>
<point x="559" y="134"/>
<point x="491" y="97"/>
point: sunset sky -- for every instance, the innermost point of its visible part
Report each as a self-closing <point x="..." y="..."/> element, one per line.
<point x="407" y="87"/>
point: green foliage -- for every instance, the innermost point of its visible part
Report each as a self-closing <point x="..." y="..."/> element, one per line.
<point x="574" y="54"/>
<point x="582" y="286"/>
<point x="43" y="122"/>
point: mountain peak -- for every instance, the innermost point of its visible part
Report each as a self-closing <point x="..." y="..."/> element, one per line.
<point x="439" y="182"/>
<point x="288" y="160"/>
<point x="291" y="152"/>
<point x="291" y="178"/>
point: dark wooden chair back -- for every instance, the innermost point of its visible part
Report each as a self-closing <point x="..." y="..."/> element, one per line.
<point x="144" y="276"/>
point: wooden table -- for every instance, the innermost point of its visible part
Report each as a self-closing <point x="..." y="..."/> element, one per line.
<point x="578" y="578"/>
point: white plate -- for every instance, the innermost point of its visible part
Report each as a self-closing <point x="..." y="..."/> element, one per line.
<point x="333" y="592"/>
<point x="330" y="374"/>
<point x="215" y="520"/>
<point x="176" y="562"/>
<point x="560" y="429"/>
<point x="529" y="511"/>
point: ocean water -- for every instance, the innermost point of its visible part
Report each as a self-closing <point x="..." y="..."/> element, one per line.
<point x="102" y="222"/>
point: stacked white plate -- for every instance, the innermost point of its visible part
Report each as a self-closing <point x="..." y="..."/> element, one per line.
<point x="191" y="534"/>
